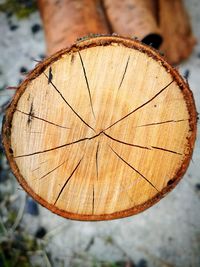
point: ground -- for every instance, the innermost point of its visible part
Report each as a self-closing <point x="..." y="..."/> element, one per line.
<point x="168" y="234"/>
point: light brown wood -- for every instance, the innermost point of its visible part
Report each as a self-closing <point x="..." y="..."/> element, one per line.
<point x="101" y="130"/>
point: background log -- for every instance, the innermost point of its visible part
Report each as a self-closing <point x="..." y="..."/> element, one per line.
<point x="134" y="19"/>
<point x="162" y="24"/>
<point x="64" y="21"/>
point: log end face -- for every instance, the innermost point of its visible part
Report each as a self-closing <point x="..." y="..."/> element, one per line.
<point x="102" y="130"/>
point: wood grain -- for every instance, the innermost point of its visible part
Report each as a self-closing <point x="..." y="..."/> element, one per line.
<point x="101" y="130"/>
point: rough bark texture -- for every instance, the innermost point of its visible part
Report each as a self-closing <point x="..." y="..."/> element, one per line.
<point x="64" y="21"/>
<point x="177" y="33"/>
<point x="134" y="18"/>
<point x="101" y="130"/>
<point x="162" y="24"/>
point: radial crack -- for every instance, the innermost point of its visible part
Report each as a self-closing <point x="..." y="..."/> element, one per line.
<point x="68" y="103"/>
<point x="87" y="83"/>
<point x="143" y="147"/>
<point x="30" y="114"/>
<point x="162" y="122"/>
<point x="41" y="119"/>
<point x="50" y="78"/>
<point x="133" y="168"/>
<point x="36" y="169"/>
<point x="124" y="73"/>
<point x="167" y="150"/>
<point x="40" y="165"/>
<point x="66" y="182"/>
<point x="141" y="106"/>
<point x="52" y="170"/>
<point x="93" y="200"/>
<point x="124" y="143"/>
<point x="97" y="167"/>
<point x="57" y="147"/>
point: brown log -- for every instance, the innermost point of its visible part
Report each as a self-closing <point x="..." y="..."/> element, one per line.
<point x="64" y="21"/>
<point x="154" y="22"/>
<point x="134" y="18"/>
<point x="177" y="33"/>
<point x="101" y="130"/>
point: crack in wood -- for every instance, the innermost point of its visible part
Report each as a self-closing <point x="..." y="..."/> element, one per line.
<point x="133" y="168"/>
<point x="51" y="82"/>
<point x="124" y="143"/>
<point x="58" y="147"/>
<point x="167" y="150"/>
<point x="97" y="167"/>
<point x="123" y="76"/>
<point x="30" y="114"/>
<point x="143" y="147"/>
<point x="162" y="122"/>
<point x="50" y="77"/>
<point x="37" y="168"/>
<point x="68" y="179"/>
<point x="93" y="200"/>
<point x="52" y="170"/>
<point x="141" y="106"/>
<point x="41" y="119"/>
<point x="87" y="83"/>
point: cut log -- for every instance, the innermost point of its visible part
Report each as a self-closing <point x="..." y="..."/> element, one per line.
<point x="135" y="19"/>
<point x="152" y="22"/>
<point x="101" y="130"/>
<point x="177" y="33"/>
<point x="64" y="21"/>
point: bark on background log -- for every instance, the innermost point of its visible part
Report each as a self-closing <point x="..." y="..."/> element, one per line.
<point x="134" y="18"/>
<point x="64" y="21"/>
<point x="177" y="32"/>
<point x="154" y="22"/>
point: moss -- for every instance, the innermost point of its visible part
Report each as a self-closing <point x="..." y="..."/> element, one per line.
<point x="21" y="8"/>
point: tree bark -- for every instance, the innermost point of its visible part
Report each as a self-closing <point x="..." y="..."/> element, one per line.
<point x="164" y="25"/>
<point x="64" y="21"/>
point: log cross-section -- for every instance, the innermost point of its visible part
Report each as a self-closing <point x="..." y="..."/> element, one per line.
<point x="101" y="130"/>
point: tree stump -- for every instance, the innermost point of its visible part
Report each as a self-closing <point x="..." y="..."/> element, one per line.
<point x="101" y="130"/>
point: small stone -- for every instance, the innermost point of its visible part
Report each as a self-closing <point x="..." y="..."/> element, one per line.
<point x="35" y="28"/>
<point x="23" y="70"/>
<point x="14" y="27"/>
<point x="32" y="207"/>
<point x="41" y="232"/>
